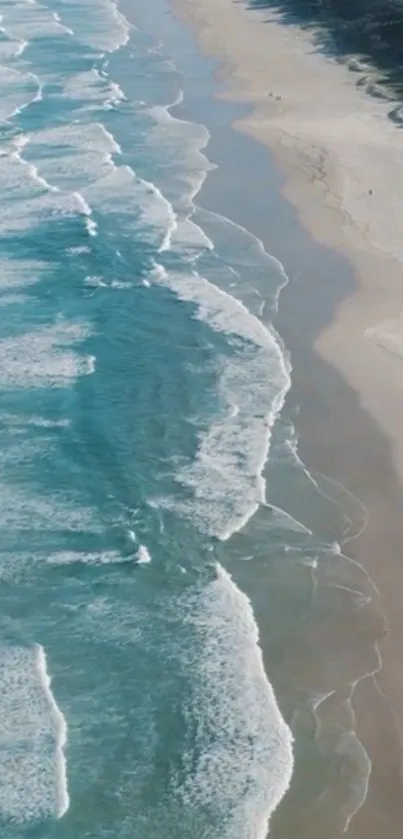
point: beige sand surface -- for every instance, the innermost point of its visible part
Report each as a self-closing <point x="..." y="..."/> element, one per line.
<point x="334" y="144"/>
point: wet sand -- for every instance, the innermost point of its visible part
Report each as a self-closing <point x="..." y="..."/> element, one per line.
<point x="333" y="144"/>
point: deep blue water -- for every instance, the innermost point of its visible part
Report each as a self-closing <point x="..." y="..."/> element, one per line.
<point x="140" y="382"/>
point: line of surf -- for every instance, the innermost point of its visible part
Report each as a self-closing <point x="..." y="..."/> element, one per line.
<point x="60" y="725"/>
<point x="243" y="778"/>
<point x="34" y="786"/>
<point x="227" y="313"/>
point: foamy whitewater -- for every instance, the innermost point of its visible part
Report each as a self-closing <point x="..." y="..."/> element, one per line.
<point x="33" y="734"/>
<point x="142" y="386"/>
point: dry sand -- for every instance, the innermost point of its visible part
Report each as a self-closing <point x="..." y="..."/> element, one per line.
<point x="334" y="143"/>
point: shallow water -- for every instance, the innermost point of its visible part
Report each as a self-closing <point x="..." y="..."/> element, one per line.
<point x="153" y="505"/>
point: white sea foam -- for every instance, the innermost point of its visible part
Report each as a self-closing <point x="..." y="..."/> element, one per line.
<point x="20" y="142"/>
<point x="157" y="213"/>
<point x="26" y="21"/>
<point x="224" y="483"/>
<point x="21" y="47"/>
<point x="43" y="422"/>
<point x="189" y="239"/>
<point x="77" y="154"/>
<point x="25" y="201"/>
<point x="241" y="760"/>
<point x="11" y="49"/>
<point x="92" y="227"/>
<point x="222" y="311"/>
<point x="97" y="23"/>
<point x="141" y="201"/>
<point x="225" y="480"/>
<point x="78" y="249"/>
<point x="60" y="726"/>
<point x="42" y="520"/>
<point x="183" y="143"/>
<point x="79" y="158"/>
<point x="95" y="282"/>
<point x="284" y="520"/>
<point x="116" y="96"/>
<point x="18" y="90"/>
<point x="139" y="204"/>
<point x="33" y="734"/>
<point x="44" y="358"/>
<point x="12" y="299"/>
<point x="61" y="25"/>
<point x="84" y="557"/>
<point x="85" y="210"/>
<point x="143" y="556"/>
<point x="120" y="284"/>
<point x="93" y="87"/>
<point x="17" y="273"/>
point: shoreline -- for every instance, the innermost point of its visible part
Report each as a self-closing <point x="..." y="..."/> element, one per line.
<point x="355" y="436"/>
<point x="331" y="198"/>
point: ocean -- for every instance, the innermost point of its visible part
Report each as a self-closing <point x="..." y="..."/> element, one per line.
<point x="172" y="575"/>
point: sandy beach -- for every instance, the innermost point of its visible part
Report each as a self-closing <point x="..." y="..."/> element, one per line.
<point x="342" y="162"/>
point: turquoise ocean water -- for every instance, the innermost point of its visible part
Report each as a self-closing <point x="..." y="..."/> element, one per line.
<point x="144" y="525"/>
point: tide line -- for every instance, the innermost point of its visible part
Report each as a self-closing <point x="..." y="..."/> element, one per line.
<point x="62" y="795"/>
